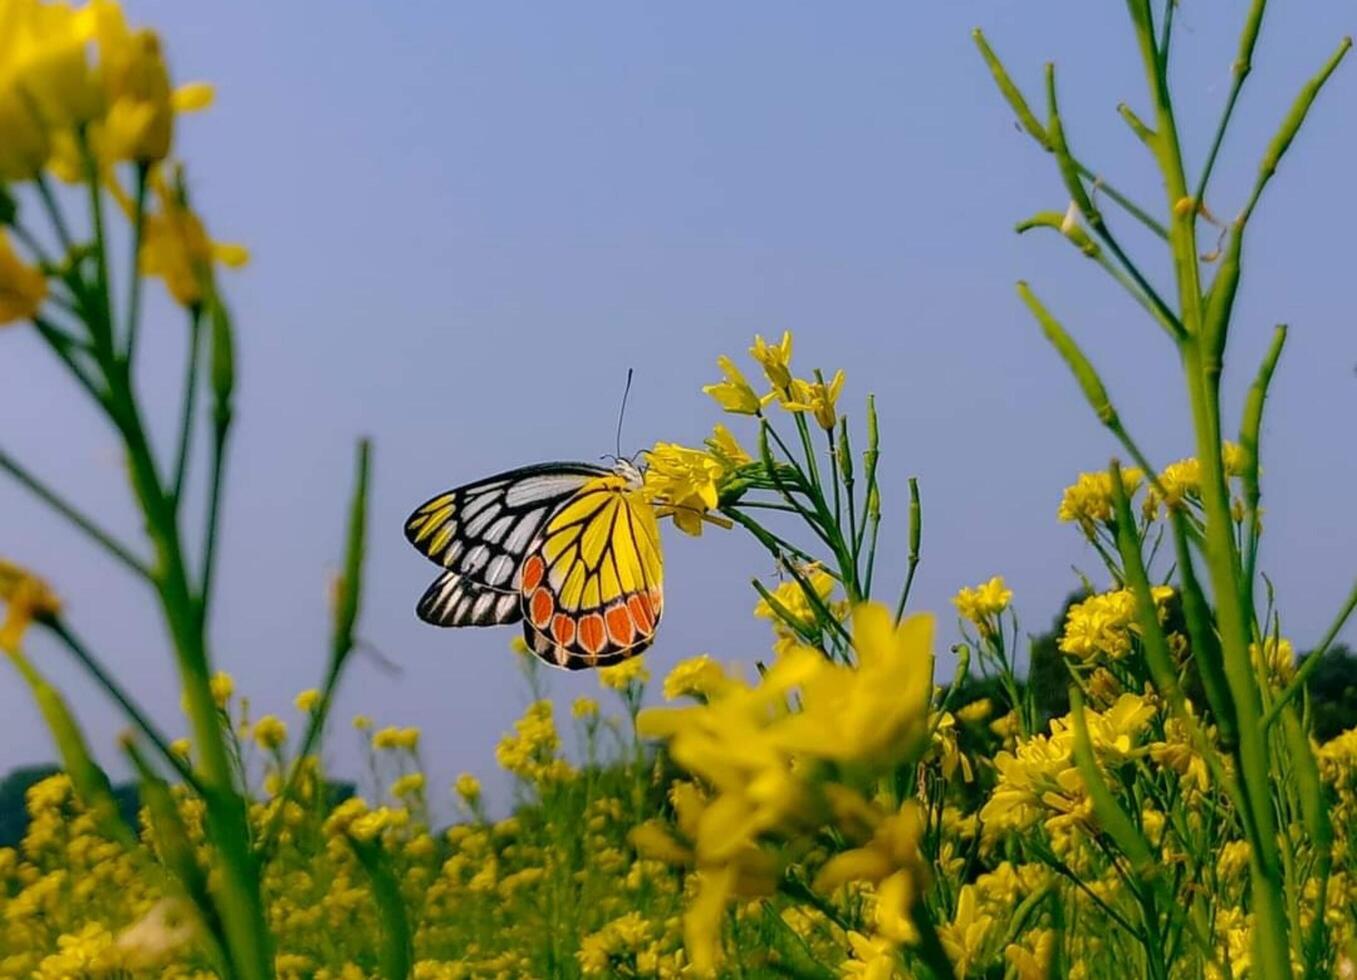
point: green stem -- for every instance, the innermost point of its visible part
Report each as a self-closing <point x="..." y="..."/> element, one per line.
<point x="53" y="500"/>
<point x="1311" y="663"/>
<point x="189" y="403"/>
<point x="130" y="708"/>
<point x="1240" y="70"/>
<point x="134" y="278"/>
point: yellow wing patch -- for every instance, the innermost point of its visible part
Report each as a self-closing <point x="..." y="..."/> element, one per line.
<point x="593" y="587"/>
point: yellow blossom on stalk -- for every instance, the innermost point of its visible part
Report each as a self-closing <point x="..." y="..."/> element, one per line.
<point x="892" y="848"/>
<point x="26" y="597"/>
<point x="22" y="286"/>
<point x="726" y="448"/>
<point x="964" y="937"/>
<point x="621" y="676"/>
<point x="683" y="483"/>
<point x="396" y="738"/>
<point x="270" y="732"/>
<point x="223" y="686"/>
<point x="43" y="57"/>
<point x="584" y="708"/>
<point x="776" y="359"/>
<point x="181" y="747"/>
<point x="1278" y="659"/>
<point x="696" y="677"/>
<point x="975" y="712"/>
<point x="307" y="700"/>
<point x="792" y="598"/>
<point x="1180" y="480"/>
<point x="468" y="787"/>
<point x="1032" y="961"/>
<point x="1103" y="624"/>
<point x="735" y="394"/>
<point x="25" y="145"/>
<point x="409" y="784"/>
<point x="816" y="397"/>
<point x="874" y="958"/>
<point x="176" y="247"/>
<point x="1088" y="500"/>
<point x="984" y="602"/>
<point x="362" y="723"/>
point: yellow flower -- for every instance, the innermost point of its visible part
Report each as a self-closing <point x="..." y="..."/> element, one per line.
<point x="776" y="359"/>
<point x="22" y="286"/>
<point x="816" y="397"/>
<point x="43" y="56"/>
<point x="307" y="701"/>
<point x="26" y="598"/>
<point x="696" y="677"/>
<point x="981" y="604"/>
<point x="792" y="598"/>
<point x="468" y="787"/>
<point x="621" y="676"/>
<point x="223" y="686"/>
<point x="584" y="708"/>
<point x="176" y="247"/>
<point x="735" y="394"/>
<point x="181" y="747"/>
<point x="683" y="483"/>
<point x="1104" y="624"/>
<point x="724" y="446"/>
<point x="1088" y="500"/>
<point x="410" y="784"/>
<point x="270" y="732"/>
<point x="964" y="937"/>
<point x="24" y="142"/>
<point x="975" y="712"/>
<point x="362" y="723"/>
<point x="893" y="848"/>
<point x="397" y="738"/>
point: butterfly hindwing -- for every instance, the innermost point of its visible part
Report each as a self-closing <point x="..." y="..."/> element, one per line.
<point x="591" y="585"/>
<point x="482" y="530"/>
<point x="455" y="600"/>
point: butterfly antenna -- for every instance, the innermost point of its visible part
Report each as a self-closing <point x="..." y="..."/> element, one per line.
<point x="622" y="412"/>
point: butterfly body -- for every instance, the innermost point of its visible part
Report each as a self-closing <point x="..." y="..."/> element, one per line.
<point x="570" y="549"/>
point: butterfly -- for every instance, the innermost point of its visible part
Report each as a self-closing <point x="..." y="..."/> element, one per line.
<point x="571" y="549"/>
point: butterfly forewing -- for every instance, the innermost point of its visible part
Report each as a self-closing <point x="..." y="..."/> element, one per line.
<point x="482" y="531"/>
<point x="592" y="584"/>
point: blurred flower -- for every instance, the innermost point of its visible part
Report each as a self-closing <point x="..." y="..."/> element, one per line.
<point x="697" y="677"/>
<point x="468" y="787"/>
<point x="584" y="708"/>
<point x="26" y="597"/>
<point x="307" y="701"/>
<point x="22" y="286"/>
<point x="270" y="732"/>
<point x="410" y="784"/>
<point x="176" y="248"/>
<point x="623" y="675"/>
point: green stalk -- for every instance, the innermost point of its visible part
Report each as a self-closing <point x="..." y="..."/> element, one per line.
<point x="55" y="501"/>
<point x="124" y="700"/>
<point x="134" y="278"/>
<point x="397" y="952"/>
<point x="1250" y="432"/>
<point x="1312" y="662"/>
<point x="915" y="535"/>
<point x="1243" y="64"/>
<point x="189" y="402"/>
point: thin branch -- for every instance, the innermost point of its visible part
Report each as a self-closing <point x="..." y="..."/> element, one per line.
<point x="54" y="500"/>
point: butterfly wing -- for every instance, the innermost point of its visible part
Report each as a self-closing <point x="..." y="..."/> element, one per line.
<point x="455" y="600"/>
<point x="592" y="585"/>
<point x="482" y="531"/>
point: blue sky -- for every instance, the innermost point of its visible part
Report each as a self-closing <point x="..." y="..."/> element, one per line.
<point x="468" y="220"/>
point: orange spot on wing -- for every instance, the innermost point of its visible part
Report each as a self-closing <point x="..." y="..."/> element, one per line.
<point x="540" y="608"/>
<point x="620" y="627"/>
<point x="640" y="612"/>
<point x="563" y="629"/>
<point x="533" y="570"/>
<point x="591" y="633"/>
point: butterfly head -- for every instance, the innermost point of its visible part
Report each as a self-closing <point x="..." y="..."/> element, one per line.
<point x="629" y="471"/>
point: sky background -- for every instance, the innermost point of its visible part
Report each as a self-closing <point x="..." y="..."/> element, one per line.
<point x="468" y="220"/>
